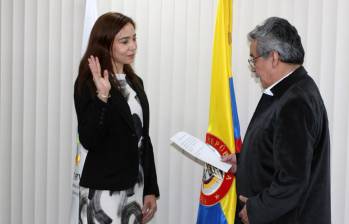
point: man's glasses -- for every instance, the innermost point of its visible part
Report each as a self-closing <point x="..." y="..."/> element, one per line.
<point x="252" y="61"/>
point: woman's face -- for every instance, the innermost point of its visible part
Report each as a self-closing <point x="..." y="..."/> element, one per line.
<point x="124" y="46"/>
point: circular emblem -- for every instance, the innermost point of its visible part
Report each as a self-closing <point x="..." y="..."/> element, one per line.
<point x="215" y="183"/>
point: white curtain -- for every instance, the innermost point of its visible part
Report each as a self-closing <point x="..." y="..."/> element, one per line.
<point x="40" y="42"/>
<point x="40" y="51"/>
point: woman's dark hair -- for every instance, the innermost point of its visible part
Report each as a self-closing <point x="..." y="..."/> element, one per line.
<point x="100" y="45"/>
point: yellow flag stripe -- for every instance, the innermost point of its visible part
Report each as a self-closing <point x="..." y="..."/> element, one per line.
<point x="220" y="118"/>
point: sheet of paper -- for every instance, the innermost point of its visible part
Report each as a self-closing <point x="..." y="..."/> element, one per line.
<point x="200" y="150"/>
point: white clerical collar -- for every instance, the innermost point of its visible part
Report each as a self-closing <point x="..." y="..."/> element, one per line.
<point x="268" y="90"/>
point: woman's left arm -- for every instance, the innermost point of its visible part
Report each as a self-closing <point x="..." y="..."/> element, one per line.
<point x="149" y="208"/>
<point x="150" y="178"/>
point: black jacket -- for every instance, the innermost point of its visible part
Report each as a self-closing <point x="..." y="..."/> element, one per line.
<point x="107" y="131"/>
<point x="284" y="165"/>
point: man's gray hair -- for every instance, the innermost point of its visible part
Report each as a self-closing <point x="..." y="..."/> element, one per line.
<point x="277" y="34"/>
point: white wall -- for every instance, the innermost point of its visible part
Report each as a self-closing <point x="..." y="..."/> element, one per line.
<point x="40" y="42"/>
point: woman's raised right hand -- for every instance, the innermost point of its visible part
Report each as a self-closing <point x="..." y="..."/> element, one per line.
<point x="102" y="82"/>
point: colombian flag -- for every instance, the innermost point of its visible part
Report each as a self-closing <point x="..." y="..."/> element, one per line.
<point x="218" y="193"/>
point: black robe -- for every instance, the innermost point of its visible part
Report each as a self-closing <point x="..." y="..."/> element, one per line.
<point x="284" y="165"/>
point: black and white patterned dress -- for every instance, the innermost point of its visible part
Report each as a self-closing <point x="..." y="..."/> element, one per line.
<point x="117" y="207"/>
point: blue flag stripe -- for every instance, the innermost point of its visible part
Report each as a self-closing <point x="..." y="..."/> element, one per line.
<point x="211" y="214"/>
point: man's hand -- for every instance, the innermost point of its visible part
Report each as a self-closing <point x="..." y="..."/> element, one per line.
<point x="149" y="208"/>
<point x="243" y="213"/>
<point x="231" y="159"/>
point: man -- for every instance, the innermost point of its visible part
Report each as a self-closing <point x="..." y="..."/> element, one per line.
<point x="283" y="172"/>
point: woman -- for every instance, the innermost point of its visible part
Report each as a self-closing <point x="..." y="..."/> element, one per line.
<point x="118" y="182"/>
